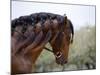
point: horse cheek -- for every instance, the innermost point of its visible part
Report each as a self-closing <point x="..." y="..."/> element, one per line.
<point x="66" y="48"/>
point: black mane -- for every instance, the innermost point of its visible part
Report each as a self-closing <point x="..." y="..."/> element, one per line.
<point x="35" y="18"/>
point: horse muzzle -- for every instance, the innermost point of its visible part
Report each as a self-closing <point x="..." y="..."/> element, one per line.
<point x="60" y="58"/>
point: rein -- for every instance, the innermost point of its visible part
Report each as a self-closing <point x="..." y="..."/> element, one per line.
<point x="48" y="49"/>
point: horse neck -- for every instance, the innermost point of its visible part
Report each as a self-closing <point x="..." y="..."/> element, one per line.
<point x="33" y="55"/>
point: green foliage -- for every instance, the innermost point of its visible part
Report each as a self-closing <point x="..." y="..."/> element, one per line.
<point x="82" y="53"/>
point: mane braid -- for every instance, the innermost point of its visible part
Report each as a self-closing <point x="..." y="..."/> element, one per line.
<point x="33" y="19"/>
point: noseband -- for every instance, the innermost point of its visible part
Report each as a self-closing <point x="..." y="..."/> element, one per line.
<point x="58" y="54"/>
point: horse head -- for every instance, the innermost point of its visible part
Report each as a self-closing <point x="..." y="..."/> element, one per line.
<point x="62" y="40"/>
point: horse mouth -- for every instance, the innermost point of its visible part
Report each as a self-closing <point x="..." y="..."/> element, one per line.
<point x="61" y="62"/>
<point x="60" y="59"/>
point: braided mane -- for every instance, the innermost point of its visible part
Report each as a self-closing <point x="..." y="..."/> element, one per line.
<point x="41" y="17"/>
<point x="35" y="18"/>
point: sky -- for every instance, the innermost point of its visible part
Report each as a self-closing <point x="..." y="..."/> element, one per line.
<point x="80" y="15"/>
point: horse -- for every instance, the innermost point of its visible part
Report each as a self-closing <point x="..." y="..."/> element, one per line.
<point x="31" y="33"/>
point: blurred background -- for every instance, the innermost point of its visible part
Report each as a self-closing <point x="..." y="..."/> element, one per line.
<point x="82" y="53"/>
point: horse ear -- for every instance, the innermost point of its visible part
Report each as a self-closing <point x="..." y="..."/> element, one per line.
<point x="65" y="20"/>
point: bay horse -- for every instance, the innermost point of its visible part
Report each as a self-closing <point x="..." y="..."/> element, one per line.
<point x="30" y="34"/>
